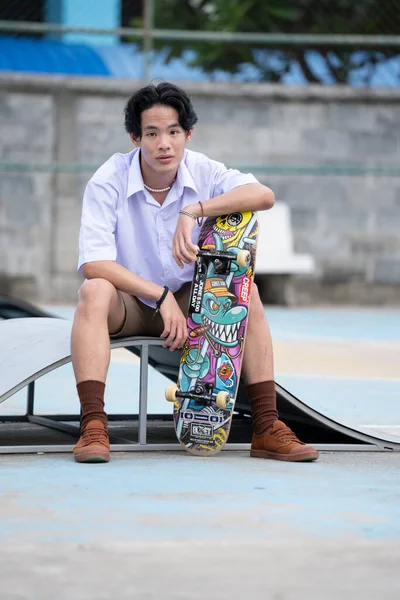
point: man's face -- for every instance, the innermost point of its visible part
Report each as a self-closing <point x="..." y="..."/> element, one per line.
<point x="163" y="140"/>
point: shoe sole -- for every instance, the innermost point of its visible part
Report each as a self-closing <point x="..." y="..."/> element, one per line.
<point x="305" y="457"/>
<point x="89" y="457"/>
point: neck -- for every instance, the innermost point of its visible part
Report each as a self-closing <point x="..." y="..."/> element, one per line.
<point x="157" y="181"/>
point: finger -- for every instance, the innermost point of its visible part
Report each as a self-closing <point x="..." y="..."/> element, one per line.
<point x="177" y="341"/>
<point x="169" y="341"/>
<point x="181" y="338"/>
<point x="192" y="248"/>
<point x="177" y="254"/>
<point x="193" y="257"/>
<point x="185" y="249"/>
<point x="177" y="259"/>
<point x="167" y="328"/>
<point x="171" y="337"/>
<point x="180" y="251"/>
<point x="182" y="335"/>
<point x="185" y="255"/>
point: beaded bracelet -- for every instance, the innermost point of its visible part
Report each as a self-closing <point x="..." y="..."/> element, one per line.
<point x="195" y="217"/>
<point x="189" y="214"/>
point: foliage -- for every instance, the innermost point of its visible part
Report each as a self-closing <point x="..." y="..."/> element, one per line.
<point x="257" y="62"/>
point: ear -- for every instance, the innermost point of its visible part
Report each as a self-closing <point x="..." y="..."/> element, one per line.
<point x="189" y="135"/>
<point x="135" y="140"/>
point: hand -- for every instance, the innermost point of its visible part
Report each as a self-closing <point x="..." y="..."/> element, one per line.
<point x="183" y="249"/>
<point x="175" y="326"/>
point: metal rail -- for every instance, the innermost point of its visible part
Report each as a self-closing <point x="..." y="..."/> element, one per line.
<point x="267" y="39"/>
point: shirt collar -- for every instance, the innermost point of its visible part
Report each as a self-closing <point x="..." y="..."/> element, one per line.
<point x="135" y="179"/>
<point x="184" y="177"/>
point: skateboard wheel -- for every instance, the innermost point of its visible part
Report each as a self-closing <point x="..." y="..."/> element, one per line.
<point x="170" y="393"/>
<point x="222" y="399"/>
<point x="243" y="258"/>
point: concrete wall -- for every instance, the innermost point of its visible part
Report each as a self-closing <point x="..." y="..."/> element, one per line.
<point x="349" y="223"/>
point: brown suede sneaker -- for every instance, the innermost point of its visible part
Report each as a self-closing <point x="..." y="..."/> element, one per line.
<point x="279" y="442"/>
<point x="93" y="445"/>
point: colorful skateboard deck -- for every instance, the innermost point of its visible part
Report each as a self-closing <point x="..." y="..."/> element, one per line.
<point x="211" y="360"/>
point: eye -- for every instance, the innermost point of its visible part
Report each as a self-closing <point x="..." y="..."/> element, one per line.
<point x="227" y="304"/>
<point x="151" y="134"/>
<point x="214" y="307"/>
<point x="173" y="132"/>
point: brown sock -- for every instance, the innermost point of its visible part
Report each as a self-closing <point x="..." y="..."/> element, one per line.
<point x="91" y="396"/>
<point x="262" y="399"/>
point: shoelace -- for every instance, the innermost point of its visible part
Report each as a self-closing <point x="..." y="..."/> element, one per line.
<point x="95" y="435"/>
<point x="286" y="435"/>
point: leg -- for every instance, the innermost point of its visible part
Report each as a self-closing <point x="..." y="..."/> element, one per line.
<point x="258" y="362"/>
<point x="258" y="366"/>
<point x="100" y="310"/>
<point x="271" y="437"/>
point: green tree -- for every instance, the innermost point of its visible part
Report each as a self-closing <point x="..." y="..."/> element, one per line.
<point x="258" y="62"/>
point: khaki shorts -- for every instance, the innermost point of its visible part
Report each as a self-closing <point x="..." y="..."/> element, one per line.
<point x="139" y="319"/>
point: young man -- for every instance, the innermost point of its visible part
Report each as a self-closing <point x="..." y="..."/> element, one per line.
<point x="137" y="250"/>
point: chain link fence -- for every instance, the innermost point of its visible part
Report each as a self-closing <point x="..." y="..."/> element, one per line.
<point x="296" y="42"/>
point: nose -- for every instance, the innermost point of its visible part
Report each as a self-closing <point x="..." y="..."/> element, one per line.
<point x="164" y="143"/>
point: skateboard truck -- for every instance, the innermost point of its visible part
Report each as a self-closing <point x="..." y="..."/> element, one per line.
<point x="222" y="260"/>
<point x="201" y="393"/>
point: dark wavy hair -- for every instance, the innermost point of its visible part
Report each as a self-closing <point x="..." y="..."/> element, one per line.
<point x="161" y="93"/>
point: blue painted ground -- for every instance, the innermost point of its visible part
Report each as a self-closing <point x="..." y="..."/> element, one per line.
<point x="176" y="497"/>
<point x="334" y="324"/>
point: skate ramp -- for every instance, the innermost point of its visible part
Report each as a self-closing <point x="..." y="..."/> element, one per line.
<point x="33" y="347"/>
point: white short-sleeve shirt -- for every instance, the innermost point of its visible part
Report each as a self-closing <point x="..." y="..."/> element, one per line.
<point x="122" y="222"/>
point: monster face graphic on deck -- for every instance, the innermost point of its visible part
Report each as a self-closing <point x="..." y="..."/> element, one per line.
<point x="219" y="313"/>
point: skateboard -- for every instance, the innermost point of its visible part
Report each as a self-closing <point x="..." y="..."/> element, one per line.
<point x="209" y="371"/>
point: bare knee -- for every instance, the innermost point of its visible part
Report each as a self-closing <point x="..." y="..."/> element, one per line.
<point x="95" y="296"/>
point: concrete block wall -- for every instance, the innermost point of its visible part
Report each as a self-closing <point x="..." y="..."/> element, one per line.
<point x="349" y="223"/>
<point x="26" y="198"/>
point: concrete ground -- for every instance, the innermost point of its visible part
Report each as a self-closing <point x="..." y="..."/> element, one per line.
<point x="174" y="526"/>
